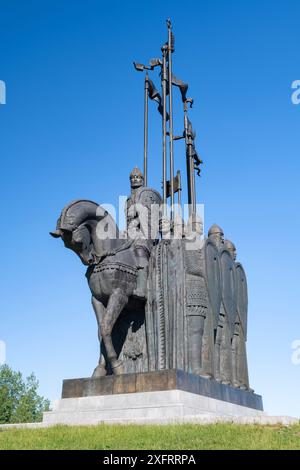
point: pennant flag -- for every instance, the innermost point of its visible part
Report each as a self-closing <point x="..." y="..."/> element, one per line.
<point x="191" y="142"/>
<point x="183" y="87"/>
<point x="155" y="96"/>
<point x="197" y="161"/>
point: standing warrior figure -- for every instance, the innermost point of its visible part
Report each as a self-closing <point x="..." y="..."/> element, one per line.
<point x="223" y="366"/>
<point x="199" y="318"/>
<point x="239" y="356"/>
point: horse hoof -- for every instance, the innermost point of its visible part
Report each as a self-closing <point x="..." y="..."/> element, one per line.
<point x="100" y="371"/>
<point x="118" y="368"/>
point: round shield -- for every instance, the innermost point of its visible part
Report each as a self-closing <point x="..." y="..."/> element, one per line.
<point x="147" y="205"/>
<point x="147" y="196"/>
<point x="213" y="279"/>
<point x="229" y="295"/>
<point x="242" y="296"/>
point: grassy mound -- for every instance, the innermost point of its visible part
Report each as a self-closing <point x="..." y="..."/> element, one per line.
<point x="177" y="437"/>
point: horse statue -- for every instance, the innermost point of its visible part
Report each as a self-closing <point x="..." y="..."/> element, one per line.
<point x="113" y="266"/>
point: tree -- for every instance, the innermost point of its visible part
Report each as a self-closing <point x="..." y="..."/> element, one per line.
<point x="19" y="400"/>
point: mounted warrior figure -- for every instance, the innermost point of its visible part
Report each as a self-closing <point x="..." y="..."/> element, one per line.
<point x="113" y="263"/>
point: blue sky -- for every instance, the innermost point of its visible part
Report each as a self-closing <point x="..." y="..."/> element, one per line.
<point x="72" y="127"/>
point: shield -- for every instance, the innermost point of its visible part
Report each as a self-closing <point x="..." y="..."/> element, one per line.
<point x="147" y="205"/>
<point x="213" y="279"/>
<point x="229" y="296"/>
<point x="147" y="196"/>
<point x="242" y="296"/>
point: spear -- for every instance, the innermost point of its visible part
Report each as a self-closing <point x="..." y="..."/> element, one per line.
<point x="164" y="124"/>
<point x="193" y="161"/>
<point x="149" y="92"/>
<point x="146" y="95"/>
<point x="170" y="51"/>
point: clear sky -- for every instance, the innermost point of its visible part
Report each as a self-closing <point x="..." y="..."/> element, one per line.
<point x="72" y="128"/>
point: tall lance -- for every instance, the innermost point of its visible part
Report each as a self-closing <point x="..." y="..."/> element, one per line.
<point x="149" y="92"/>
<point x="170" y="52"/>
<point x="168" y="79"/>
<point x="164" y="125"/>
<point x="183" y="87"/>
<point x="146" y="93"/>
<point x="193" y="160"/>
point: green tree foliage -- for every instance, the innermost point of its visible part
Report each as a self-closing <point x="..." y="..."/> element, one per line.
<point x="19" y="400"/>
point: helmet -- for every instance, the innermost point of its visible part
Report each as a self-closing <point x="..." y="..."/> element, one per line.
<point x="231" y="248"/>
<point x="215" y="229"/>
<point x="136" y="172"/>
<point x="229" y="245"/>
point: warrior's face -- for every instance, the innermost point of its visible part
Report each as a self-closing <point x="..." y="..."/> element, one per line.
<point x="198" y="227"/>
<point x="194" y="227"/>
<point x="217" y="239"/>
<point x="136" y="181"/>
<point x="231" y="248"/>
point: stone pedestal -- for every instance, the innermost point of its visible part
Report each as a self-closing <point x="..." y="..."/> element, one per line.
<point x="159" y="381"/>
<point x="164" y="407"/>
<point x="153" y="397"/>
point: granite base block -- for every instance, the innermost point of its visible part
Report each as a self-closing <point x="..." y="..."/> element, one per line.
<point x="162" y="407"/>
<point x="159" y="381"/>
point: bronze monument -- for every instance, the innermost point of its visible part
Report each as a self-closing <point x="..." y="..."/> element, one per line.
<point x="167" y="301"/>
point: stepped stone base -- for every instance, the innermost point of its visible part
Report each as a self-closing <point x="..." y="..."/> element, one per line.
<point x="161" y="397"/>
<point x="158" y="397"/>
<point x="159" y="381"/>
<point x="145" y="407"/>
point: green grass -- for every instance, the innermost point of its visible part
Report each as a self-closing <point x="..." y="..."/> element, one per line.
<point x="173" y="437"/>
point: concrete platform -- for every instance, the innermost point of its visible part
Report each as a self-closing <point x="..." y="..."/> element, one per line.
<point x="160" y="406"/>
<point x="160" y="381"/>
<point x="160" y="397"/>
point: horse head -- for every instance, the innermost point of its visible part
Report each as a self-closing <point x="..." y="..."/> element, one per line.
<point x="77" y="227"/>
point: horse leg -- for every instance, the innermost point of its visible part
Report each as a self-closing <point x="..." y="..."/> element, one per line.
<point x="116" y="303"/>
<point x="99" y="310"/>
